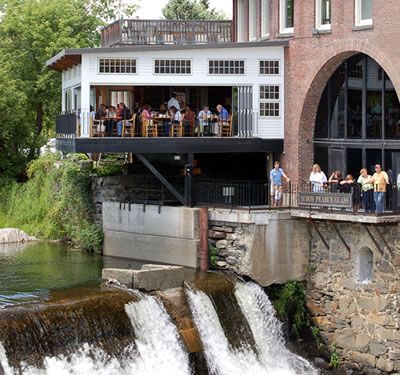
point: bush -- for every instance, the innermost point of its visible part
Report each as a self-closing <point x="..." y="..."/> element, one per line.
<point x="54" y="203"/>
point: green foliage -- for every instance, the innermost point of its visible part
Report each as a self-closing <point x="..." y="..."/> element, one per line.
<point x="290" y="303"/>
<point x="315" y="332"/>
<point x="191" y="10"/>
<point x="213" y="253"/>
<point x="54" y="203"/>
<point x="335" y="359"/>
<point x="31" y="32"/>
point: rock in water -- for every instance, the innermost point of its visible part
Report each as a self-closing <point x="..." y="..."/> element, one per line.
<point x="14" y="235"/>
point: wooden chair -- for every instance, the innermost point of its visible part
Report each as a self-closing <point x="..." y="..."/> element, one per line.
<point x="177" y="129"/>
<point x="97" y="128"/>
<point x="225" y="127"/>
<point x="128" y="127"/>
<point x="149" y="128"/>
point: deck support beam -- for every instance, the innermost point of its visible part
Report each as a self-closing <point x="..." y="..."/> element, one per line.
<point x="162" y="179"/>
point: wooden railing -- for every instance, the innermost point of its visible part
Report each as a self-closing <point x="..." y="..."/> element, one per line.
<point x="132" y="32"/>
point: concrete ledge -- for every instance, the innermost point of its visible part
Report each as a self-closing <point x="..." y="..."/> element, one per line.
<point x="177" y="251"/>
<point x="150" y="277"/>
<point x="345" y="216"/>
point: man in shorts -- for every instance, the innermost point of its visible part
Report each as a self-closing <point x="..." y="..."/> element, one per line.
<point x="275" y="180"/>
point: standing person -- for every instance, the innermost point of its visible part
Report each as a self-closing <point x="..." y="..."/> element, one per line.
<point x="278" y="196"/>
<point x="190" y="118"/>
<point x="275" y="179"/>
<point x="317" y="179"/>
<point x="173" y="102"/>
<point x="349" y="185"/>
<point x="335" y="180"/>
<point x="125" y="113"/>
<point x="367" y="190"/>
<point x="380" y="180"/>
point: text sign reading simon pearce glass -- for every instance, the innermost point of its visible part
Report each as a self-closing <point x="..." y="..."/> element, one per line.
<point x="339" y="200"/>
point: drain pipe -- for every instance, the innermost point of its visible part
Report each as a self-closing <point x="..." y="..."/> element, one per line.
<point x="203" y="217"/>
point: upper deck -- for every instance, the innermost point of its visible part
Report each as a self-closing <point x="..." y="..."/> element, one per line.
<point x="158" y="32"/>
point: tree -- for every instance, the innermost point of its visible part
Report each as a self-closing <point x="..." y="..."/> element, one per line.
<point x="31" y="32"/>
<point x="191" y="10"/>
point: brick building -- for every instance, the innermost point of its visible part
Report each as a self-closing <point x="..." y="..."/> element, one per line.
<point x="338" y="54"/>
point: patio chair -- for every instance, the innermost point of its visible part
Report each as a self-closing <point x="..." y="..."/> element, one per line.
<point x="225" y="127"/>
<point x="128" y="127"/>
<point x="97" y="128"/>
<point x="149" y="128"/>
<point x="177" y="129"/>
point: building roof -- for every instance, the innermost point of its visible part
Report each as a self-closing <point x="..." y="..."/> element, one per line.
<point x="69" y="57"/>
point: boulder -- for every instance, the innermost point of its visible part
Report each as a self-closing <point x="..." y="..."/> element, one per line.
<point x="14" y="235"/>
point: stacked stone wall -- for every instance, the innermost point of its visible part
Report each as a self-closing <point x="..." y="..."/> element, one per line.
<point x="359" y="316"/>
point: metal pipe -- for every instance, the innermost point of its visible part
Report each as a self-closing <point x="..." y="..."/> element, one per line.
<point x="203" y="218"/>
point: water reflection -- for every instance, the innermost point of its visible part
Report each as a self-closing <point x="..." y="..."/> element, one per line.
<point x="28" y="272"/>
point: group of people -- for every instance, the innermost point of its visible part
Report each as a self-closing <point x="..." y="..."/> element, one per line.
<point x="371" y="188"/>
<point x="204" y="123"/>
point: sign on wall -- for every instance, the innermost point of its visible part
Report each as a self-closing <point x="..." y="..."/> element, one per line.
<point x="335" y="200"/>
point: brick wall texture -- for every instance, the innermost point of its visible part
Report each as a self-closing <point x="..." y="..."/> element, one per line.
<point x="311" y="59"/>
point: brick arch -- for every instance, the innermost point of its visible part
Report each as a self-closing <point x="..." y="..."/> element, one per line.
<point x="321" y="72"/>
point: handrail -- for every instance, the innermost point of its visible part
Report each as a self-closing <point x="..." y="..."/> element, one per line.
<point x="159" y="32"/>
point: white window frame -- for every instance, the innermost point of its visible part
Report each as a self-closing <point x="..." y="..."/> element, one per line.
<point x="265" y="18"/>
<point x="252" y="19"/>
<point x="227" y="74"/>
<point x="240" y="21"/>
<point x="172" y="74"/>
<point x="282" y="18"/>
<point x="318" y="17"/>
<point x="275" y="101"/>
<point x="115" y="59"/>
<point x="357" y="12"/>
<point x="269" y="74"/>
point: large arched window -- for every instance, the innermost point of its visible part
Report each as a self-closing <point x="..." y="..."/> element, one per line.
<point x="358" y="119"/>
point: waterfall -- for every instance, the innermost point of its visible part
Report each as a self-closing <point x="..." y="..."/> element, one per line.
<point x="270" y="357"/>
<point x="156" y="349"/>
<point x="267" y="331"/>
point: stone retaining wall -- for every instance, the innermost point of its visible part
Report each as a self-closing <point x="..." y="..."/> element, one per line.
<point x="358" y="315"/>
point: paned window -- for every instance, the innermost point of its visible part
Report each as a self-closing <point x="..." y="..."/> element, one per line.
<point x="323" y="14"/>
<point x="226" y="67"/>
<point x="172" y="66"/>
<point x="124" y="66"/>
<point x="286" y="16"/>
<point x="363" y="12"/>
<point x="356" y="71"/>
<point x="269" y="101"/>
<point x="269" y="67"/>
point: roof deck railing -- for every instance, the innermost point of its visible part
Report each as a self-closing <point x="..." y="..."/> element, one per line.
<point x="158" y="32"/>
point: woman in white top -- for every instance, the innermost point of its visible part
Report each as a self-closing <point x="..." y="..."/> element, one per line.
<point x="176" y="115"/>
<point x="317" y="179"/>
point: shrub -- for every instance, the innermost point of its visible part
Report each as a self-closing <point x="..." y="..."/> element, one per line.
<point x="54" y="203"/>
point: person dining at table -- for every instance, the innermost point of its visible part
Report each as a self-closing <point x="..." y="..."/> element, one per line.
<point x="124" y="114"/>
<point x="204" y="120"/>
<point x="189" y="121"/>
<point x="223" y="116"/>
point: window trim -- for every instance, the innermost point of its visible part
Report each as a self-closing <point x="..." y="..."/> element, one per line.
<point x="117" y="58"/>
<point x="241" y="32"/>
<point x="226" y="74"/>
<point x="279" y="101"/>
<point x="358" y="21"/>
<point x="265" y="18"/>
<point x="252" y="20"/>
<point x="269" y="74"/>
<point x="282" y="18"/>
<point x="318" y="17"/>
<point x="172" y="74"/>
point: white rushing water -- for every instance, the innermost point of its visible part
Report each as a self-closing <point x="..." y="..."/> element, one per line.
<point x="270" y="358"/>
<point x="267" y="331"/>
<point x="157" y="349"/>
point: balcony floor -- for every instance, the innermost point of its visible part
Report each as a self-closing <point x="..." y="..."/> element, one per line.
<point x="166" y="145"/>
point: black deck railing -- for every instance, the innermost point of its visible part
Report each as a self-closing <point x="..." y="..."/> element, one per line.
<point x="66" y="124"/>
<point x="133" y="32"/>
<point x="253" y="194"/>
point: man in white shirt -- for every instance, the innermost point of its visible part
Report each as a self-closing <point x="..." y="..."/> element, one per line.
<point x="173" y="102"/>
